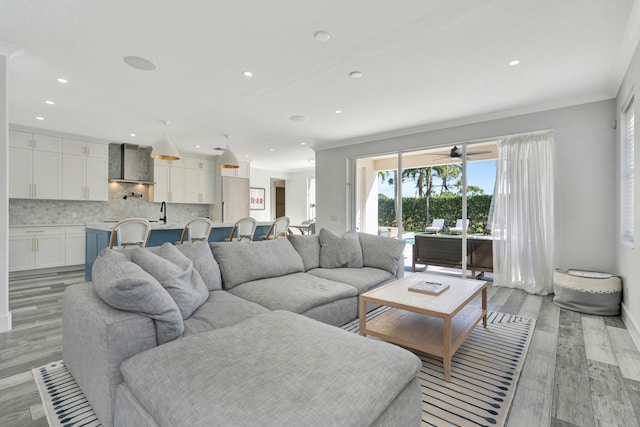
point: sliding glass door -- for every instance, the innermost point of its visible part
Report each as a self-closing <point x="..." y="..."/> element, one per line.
<point x="401" y="194"/>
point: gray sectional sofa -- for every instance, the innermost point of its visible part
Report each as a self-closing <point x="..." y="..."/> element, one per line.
<point x="227" y="334"/>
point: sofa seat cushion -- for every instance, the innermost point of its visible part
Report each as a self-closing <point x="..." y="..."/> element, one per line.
<point x="222" y="309"/>
<point x="296" y="292"/>
<point x="274" y="369"/>
<point x="362" y="279"/>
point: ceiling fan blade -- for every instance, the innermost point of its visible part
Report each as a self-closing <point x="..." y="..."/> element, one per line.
<point x="474" y="153"/>
<point x="437" y="154"/>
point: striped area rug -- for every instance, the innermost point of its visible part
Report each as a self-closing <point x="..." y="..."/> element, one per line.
<point x="64" y="404"/>
<point x="484" y="373"/>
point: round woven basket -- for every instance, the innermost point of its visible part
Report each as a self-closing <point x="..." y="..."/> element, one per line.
<point x="588" y="292"/>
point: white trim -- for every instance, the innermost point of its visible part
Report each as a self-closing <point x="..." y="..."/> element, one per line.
<point x="5" y="322"/>
<point x="10" y="50"/>
<point x="631" y="325"/>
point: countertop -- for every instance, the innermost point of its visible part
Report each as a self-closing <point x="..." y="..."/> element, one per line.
<point x="160" y="226"/>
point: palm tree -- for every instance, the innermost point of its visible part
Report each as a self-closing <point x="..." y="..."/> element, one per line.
<point x="446" y="173"/>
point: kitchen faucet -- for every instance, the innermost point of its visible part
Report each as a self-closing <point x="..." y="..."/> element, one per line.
<point x="163" y="208"/>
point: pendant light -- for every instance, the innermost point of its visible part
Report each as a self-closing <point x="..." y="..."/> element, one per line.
<point x="227" y="158"/>
<point x="164" y="149"/>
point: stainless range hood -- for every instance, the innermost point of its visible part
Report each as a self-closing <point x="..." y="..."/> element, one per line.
<point x="130" y="163"/>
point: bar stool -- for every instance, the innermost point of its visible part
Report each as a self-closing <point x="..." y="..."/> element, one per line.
<point x="278" y="229"/>
<point x="244" y="228"/>
<point x="197" y="229"/>
<point x="131" y="231"/>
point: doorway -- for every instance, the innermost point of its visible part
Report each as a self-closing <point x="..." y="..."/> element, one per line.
<point x="280" y="199"/>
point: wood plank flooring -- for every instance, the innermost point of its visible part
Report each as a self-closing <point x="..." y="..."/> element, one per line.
<point x="581" y="370"/>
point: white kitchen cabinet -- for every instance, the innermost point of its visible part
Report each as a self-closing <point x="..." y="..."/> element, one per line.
<point x="35" y="141"/>
<point x="75" y="245"/>
<point x="35" y="166"/>
<point x="199" y="163"/>
<point x="241" y="172"/>
<point x="85" y="148"/>
<point x="199" y="186"/>
<point x="37" y="247"/>
<point x="169" y="182"/>
<point x="85" y="177"/>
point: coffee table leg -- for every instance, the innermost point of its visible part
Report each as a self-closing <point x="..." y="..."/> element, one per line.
<point x="446" y="356"/>
<point x="363" y="315"/>
<point x="484" y="306"/>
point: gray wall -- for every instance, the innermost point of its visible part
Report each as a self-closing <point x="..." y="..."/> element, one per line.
<point x="585" y="201"/>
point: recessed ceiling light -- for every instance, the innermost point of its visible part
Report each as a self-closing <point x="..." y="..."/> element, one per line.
<point x="246" y="155"/>
<point x="271" y="149"/>
<point x="322" y="36"/>
<point x="197" y="146"/>
<point x="39" y="118"/>
<point x="303" y="143"/>
<point x="139" y="63"/>
<point x="247" y="73"/>
<point x="514" y="62"/>
<point x="338" y="111"/>
<point x="61" y="80"/>
<point x="298" y="118"/>
<point x="132" y="134"/>
<point x="355" y="74"/>
<point x="49" y="102"/>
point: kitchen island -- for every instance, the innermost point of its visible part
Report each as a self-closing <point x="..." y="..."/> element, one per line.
<point x="98" y="235"/>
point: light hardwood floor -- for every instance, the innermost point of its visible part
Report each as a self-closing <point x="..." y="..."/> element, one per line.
<point x="581" y="370"/>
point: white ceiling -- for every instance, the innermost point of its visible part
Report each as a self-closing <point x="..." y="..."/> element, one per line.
<point x="424" y="62"/>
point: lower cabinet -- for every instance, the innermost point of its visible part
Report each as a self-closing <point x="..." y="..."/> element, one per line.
<point x="75" y="245"/>
<point x="32" y="248"/>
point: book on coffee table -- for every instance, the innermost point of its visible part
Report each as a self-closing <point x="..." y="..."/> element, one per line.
<point x="427" y="287"/>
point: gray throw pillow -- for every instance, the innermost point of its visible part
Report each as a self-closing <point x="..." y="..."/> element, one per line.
<point x="309" y="249"/>
<point x="381" y="252"/>
<point x="203" y="261"/>
<point x="242" y="262"/>
<point x="126" y="286"/>
<point x="175" y="272"/>
<point x="337" y="251"/>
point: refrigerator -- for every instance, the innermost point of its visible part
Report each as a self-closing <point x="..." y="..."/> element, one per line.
<point x="234" y="199"/>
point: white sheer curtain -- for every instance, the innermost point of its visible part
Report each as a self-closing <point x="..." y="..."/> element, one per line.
<point x="523" y="224"/>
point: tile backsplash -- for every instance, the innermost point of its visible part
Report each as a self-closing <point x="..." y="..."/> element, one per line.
<point x="136" y="204"/>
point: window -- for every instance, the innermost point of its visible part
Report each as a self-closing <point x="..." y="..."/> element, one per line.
<point x="627" y="176"/>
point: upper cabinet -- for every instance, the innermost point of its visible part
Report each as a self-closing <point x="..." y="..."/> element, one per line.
<point x="86" y="170"/>
<point x="35" y="166"/>
<point x="188" y="180"/>
<point x="243" y="171"/>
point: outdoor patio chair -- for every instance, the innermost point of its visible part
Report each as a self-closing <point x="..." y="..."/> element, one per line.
<point x="459" y="227"/>
<point x="436" y="226"/>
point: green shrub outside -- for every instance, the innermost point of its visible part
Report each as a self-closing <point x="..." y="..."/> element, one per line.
<point x="447" y="206"/>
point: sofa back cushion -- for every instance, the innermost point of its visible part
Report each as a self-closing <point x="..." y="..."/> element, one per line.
<point x="381" y="252"/>
<point x="242" y="262"/>
<point x="126" y="286"/>
<point x="309" y="249"/>
<point x="176" y="274"/>
<point x="340" y="251"/>
<point x="203" y="261"/>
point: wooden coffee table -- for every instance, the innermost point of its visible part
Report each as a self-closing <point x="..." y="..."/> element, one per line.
<point x="432" y="324"/>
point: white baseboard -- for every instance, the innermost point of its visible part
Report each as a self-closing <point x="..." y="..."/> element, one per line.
<point x="5" y="322"/>
<point x="632" y="326"/>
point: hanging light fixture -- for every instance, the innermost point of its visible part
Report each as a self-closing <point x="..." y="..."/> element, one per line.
<point x="227" y="158"/>
<point x="165" y="150"/>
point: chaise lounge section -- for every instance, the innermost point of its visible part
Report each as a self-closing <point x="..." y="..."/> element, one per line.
<point x="239" y="334"/>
